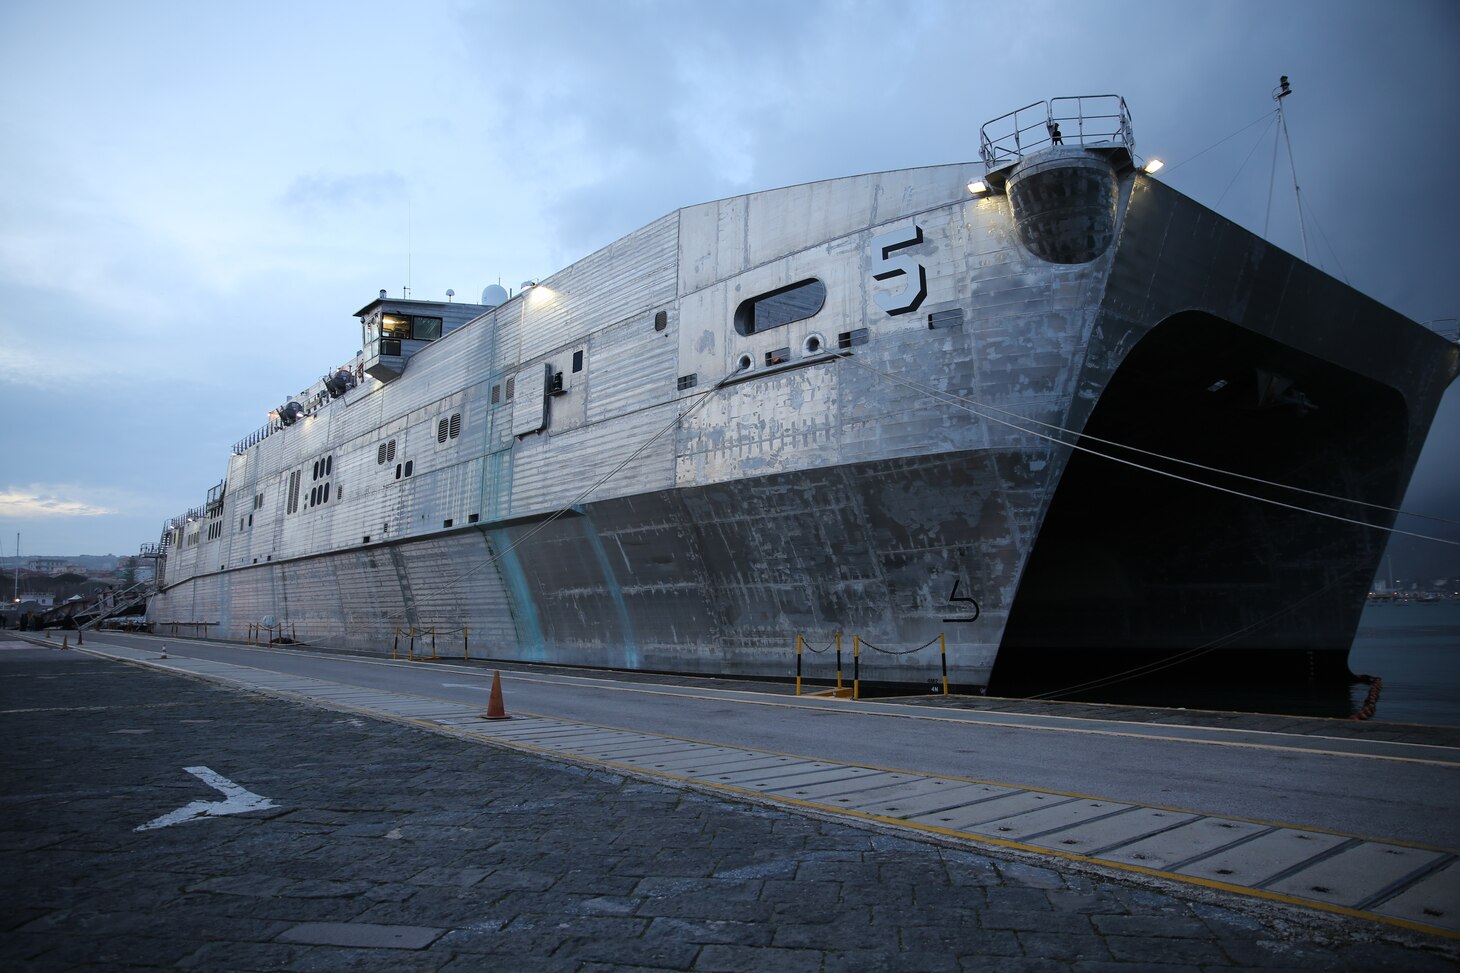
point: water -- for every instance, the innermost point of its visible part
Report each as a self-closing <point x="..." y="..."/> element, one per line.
<point x="1415" y="649"/>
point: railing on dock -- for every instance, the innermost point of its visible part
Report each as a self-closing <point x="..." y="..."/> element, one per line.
<point x="855" y="690"/>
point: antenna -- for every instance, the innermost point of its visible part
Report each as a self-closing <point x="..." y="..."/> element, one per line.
<point x="408" y="246"/>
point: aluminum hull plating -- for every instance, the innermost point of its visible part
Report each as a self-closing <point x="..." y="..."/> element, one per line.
<point x="871" y="491"/>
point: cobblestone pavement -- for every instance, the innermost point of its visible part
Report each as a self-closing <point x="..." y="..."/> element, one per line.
<point x="395" y="849"/>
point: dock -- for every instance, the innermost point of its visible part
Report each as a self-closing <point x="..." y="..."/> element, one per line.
<point x="692" y="824"/>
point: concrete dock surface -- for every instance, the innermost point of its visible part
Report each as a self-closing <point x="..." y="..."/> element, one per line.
<point x="247" y="809"/>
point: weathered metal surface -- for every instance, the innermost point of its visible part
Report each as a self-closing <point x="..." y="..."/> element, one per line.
<point x="638" y="513"/>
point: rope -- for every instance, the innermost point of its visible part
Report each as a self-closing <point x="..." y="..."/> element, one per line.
<point x="1265" y="116"/>
<point x="1248" y="158"/>
<point x="959" y="402"/>
<point x="892" y="652"/>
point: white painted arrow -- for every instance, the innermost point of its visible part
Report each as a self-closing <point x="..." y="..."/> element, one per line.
<point x="236" y="801"/>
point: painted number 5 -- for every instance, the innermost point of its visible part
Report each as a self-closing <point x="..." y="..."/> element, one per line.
<point x="885" y="266"/>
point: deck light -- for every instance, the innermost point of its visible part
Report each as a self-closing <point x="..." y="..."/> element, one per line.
<point x="978" y="187"/>
<point x="1154" y="166"/>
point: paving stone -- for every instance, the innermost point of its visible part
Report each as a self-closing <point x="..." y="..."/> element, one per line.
<point x="1151" y="926"/>
<point x="710" y="931"/>
<point x="863" y="960"/>
<point x="523" y="863"/>
<point x="1164" y="950"/>
<point x="1071" y="947"/>
<point x="738" y="959"/>
<point x="628" y="953"/>
<point x="241" y="957"/>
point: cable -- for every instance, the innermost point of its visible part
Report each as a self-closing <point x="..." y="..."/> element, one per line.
<point x="1250" y="153"/>
<point x="1192" y="158"/>
<point x="949" y="396"/>
<point x="953" y="400"/>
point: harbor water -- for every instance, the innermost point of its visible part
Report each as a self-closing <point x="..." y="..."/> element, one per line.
<point x="1415" y="648"/>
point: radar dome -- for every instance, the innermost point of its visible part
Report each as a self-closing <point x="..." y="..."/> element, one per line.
<point x="494" y="295"/>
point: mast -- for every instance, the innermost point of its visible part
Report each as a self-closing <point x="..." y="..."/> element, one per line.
<point x="1279" y="93"/>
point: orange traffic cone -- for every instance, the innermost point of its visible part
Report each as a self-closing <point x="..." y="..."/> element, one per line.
<point x="495" y="709"/>
<point x="164" y="652"/>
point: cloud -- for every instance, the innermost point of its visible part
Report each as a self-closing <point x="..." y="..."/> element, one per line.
<point x="321" y="191"/>
<point x="48" y="502"/>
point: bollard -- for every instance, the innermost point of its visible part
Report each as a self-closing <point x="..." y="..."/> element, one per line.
<point x="838" y="661"/>
<point x="465" y="643"/>
<point x="395" y="645"/>
<point x="65" y="641"/>
<point x="411" y="652"/>
<point x="433" y="643"/>
<point x="78" y="636"/>
<point x="798" y="665"/>
<point x="943" y="652"/>
<point x="856" y="667"/>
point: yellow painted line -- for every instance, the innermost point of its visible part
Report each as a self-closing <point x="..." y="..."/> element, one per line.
<point x="1003" y="842"/>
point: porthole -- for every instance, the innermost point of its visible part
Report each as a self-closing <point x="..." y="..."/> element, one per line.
<point x="745" y="363"/>
<point x="661" y="320"/>
<point x="814" y="344"/>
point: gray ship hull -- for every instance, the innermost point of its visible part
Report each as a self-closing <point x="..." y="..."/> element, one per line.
<point x="920" y="484"/>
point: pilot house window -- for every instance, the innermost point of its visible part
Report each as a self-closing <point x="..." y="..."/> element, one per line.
<point x="780" y="307"/>
<point x="419" y="327"/>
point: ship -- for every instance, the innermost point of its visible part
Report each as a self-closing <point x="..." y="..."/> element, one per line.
<point x="1037" y="416"/>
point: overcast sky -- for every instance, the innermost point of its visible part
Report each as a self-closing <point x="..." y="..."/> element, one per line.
<point x="196" y="196"/>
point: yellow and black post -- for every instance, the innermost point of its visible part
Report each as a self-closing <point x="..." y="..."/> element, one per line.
<point x="433" y="642"/>
<point x="395" y="645"/>
<point x="838" y="661"/>
<point x="465" y="643"/>
<point x="943" y="652"/>
<point x="798" y="665"/>
<point x="411" y="651"/>
<point x="856" y="667"/>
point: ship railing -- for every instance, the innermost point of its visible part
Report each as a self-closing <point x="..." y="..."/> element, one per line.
<point x="313" y="398"/>
<point x="854" y="691"/>
<point x="1087" y="121"/>
<point x="116" y="602"/>
<point x="257" y="436"/>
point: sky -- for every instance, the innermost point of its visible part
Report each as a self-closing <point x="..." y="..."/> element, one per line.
<point x="195" y="197"/>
